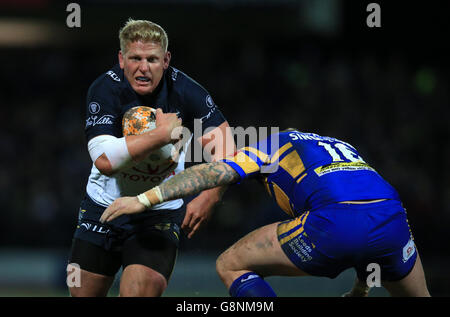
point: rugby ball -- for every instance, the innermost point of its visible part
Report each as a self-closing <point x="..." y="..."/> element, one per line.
<point x="141" y="119"/>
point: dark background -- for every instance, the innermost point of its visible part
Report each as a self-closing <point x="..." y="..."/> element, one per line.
<point x="313" y="65"/>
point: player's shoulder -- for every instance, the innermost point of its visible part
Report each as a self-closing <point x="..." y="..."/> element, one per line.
<point x="109" y="81"/>
<point x="181" y="81"/>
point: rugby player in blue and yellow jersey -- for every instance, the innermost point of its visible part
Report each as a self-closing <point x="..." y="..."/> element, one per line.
<point x="344" y="215"/>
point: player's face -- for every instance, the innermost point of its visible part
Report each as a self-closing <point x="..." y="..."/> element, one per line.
<point x="143" y="65"/>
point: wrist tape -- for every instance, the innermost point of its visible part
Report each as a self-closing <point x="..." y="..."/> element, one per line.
<point x="144" y="200"/>
<point x="154" y="194"/>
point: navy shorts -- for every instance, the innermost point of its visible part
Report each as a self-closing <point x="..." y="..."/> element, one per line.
<point x="329" y="240"/>
<point x="150" y="238"/>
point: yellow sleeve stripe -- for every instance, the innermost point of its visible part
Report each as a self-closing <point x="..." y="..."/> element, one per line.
<point x="245" y="162"/>
<point x="261" y="155"/>
<point x="280" y="151"/>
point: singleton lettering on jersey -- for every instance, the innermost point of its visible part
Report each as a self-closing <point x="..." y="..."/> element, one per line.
<point x="311" y="136"/>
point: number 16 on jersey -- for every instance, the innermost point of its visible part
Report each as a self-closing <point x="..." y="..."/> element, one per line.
<point x="341" y="152"/>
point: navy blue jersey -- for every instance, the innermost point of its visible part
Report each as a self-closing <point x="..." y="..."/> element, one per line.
<point x="111" y="95"/>
<point x="305" y="171"/>
<point x="108" y="98"/>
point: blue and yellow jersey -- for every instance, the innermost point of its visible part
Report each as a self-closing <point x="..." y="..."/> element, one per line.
<point x="306" y="171"/>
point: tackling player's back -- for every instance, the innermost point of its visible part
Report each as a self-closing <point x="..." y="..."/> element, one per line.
<point x="305" y="171"/>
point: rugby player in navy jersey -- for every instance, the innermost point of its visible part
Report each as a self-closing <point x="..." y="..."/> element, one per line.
<point x="343" y="215"/>
<point x="145" y="246"/>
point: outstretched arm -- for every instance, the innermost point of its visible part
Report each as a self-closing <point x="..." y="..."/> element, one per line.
<point x="196" y="179"/>
<point x="189" y="182"/>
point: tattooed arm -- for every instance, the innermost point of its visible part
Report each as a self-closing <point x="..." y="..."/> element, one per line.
<point x="189" y="182"/>
<point x="198" y="178"/>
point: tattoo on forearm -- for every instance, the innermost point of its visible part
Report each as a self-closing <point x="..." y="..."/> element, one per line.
<point x="198" y="178"/>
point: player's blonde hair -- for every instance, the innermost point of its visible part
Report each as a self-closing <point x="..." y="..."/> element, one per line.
<point x="142" y="30"/>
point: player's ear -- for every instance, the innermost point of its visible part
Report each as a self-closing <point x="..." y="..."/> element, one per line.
<point x="121" y="59"/>
<point x="167" y="57"/>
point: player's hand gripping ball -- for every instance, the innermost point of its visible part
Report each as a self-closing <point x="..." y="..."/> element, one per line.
<point x="141" y="119"/>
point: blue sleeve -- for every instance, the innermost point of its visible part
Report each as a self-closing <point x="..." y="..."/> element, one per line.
<point x="248" y="161"/>
<point x="236" y="167"/>
<point x="102" y="110"/>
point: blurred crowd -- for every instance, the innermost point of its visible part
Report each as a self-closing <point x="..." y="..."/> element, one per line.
<point x="393" y="108"/>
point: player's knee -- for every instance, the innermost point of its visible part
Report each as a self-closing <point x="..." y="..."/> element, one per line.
<point x="226" y="264"/>
<point x="152" y="285"/>
<point x="220" y="268"/>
